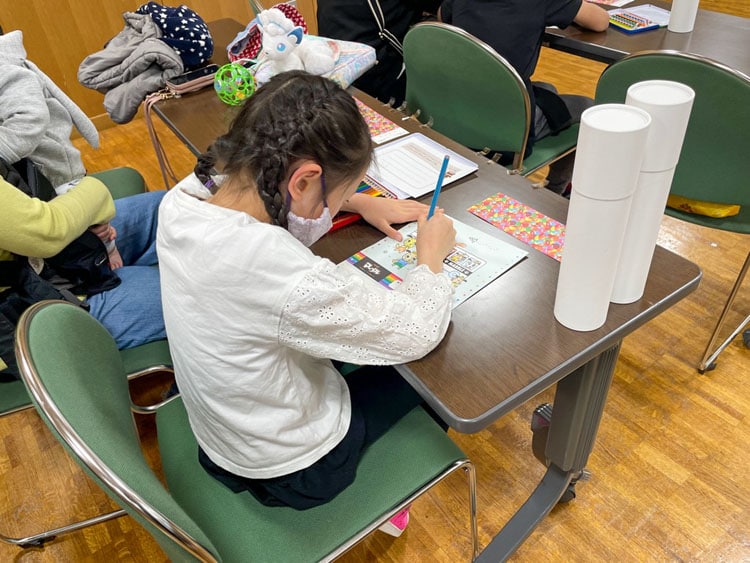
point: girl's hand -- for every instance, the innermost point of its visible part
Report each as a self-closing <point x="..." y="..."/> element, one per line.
<point x="115" y="260"/>
<point x="435" y="239"/>
<point x="382" y="212"/>
<point x="105" y="232"/>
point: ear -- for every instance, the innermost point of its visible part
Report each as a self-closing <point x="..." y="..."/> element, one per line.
<point x="304" y="177"/>
<point x="296" y="35"/>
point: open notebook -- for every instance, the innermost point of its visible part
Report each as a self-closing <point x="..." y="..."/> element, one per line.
<point x="409" y="167"/>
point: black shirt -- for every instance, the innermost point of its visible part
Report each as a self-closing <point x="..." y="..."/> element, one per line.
<point x="353" y="20"/>
<point x="514" y="28"/>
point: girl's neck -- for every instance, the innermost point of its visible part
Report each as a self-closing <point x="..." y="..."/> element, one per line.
<point x="245" y="198"/>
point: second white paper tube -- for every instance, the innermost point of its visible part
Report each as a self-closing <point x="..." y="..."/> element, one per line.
<point x="609" y="154"/>
<point x="668" y="104"/>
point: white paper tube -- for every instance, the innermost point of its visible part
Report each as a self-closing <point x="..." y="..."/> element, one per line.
<point x="609" y="154"/>
<point x="593" y="237"/>
<point x="646" y="212"/>
<point x="669" y="104"/>
<point x="682" y="16"/>
<point x="609" y="151"/>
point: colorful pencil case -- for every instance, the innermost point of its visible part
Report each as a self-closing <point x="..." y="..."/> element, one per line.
<point x="628" y="22"/>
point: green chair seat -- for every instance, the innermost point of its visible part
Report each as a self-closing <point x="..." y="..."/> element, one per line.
<point x="242" y="529"/>
<point x="122" y="182"/>
<point x="551" y="148"/>
<point x="150" y="356"/>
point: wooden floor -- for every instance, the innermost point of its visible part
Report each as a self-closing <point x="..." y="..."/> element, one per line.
<point x="669" y="471"/>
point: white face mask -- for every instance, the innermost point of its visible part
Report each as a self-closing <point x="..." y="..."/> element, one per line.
<point x="309" y="231"/>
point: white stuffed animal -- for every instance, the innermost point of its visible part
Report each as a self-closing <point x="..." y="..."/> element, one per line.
<point x="287" y="48"/>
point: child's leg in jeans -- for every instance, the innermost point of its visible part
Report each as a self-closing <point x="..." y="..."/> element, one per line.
<point x="135" y="220"/>
<point x="132" y="312"/>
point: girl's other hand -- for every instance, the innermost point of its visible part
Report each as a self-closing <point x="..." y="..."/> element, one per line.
<point x="382" y="212"/>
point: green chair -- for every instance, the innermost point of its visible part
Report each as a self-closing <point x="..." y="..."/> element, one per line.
<point x="77" y="385"/>
<point x="122" y="181"/>
<point x="138" y="361"/>
<point x="714" y="164"/>
<point x="464" y="89"/>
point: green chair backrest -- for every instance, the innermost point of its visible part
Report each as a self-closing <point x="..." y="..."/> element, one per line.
<point x="714" y="163"/>
<point x="122" y="181"/>
<point x="465" y="89"/>
<point x="74" y="374"/>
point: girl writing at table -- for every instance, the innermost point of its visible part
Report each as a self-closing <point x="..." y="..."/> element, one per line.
<point x="254" y="318"/>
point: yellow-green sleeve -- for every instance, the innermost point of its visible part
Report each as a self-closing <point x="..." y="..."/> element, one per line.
<point x="31" y="227"/>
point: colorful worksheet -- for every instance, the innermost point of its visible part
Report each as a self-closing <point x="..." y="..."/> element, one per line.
<point x="409" y="167"/>
<point x="476" y="260"/>
<point x="381" y="128"/>
<point x="524" y="223"/>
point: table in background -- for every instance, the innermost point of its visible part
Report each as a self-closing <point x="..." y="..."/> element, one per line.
<point x="503" y="345"/>
<point x="721" y="37"/>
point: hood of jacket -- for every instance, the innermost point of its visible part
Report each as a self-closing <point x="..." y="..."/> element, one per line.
<point x="12" y="50"/>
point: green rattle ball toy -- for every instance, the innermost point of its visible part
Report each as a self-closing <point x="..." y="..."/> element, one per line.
<point x="234" y="84"/>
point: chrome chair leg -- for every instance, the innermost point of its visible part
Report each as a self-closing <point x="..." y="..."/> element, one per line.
<point x="709" y="357"/>
<point x="38" y="540"/>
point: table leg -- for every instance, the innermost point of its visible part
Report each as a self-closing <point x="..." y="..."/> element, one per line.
<point x="579" y="403"/>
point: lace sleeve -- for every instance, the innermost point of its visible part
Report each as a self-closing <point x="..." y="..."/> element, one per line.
<point x="334" y="313"/>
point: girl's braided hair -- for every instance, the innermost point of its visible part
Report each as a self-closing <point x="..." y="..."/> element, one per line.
<point x="294" y="116"/>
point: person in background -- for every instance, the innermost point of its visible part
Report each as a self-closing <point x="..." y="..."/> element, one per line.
<point x="383" y="25"/>
<point x="131" y="311"/>
<point x="514" y="28"/>
<point x="254" y="318"/>
<point x="36" y="121"/>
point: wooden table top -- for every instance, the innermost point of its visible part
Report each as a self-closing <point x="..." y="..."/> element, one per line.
<point x="721" y="37"/>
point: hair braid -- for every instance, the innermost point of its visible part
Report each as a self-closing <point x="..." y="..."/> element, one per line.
<point x="294" y="116"/>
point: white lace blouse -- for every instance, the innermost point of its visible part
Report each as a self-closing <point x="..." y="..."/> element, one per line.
<point x="253" y="319"/>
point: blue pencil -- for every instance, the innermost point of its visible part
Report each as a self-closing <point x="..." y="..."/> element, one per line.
<point x="439" y="185"/>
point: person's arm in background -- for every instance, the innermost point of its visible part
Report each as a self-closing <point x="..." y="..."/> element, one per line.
<point x="591" y="16"/>
<point x="31" y="227"/>
<point x="24" y="116"/>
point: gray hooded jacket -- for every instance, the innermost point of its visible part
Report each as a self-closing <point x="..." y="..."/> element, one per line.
<point x="36" y="117"/>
